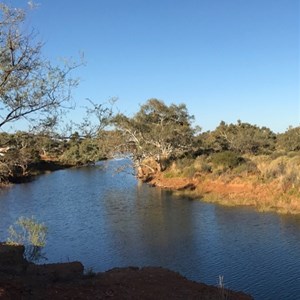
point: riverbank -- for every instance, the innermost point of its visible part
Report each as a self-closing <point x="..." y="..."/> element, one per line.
<point x="267" y="196"/>
<point x="36" y="169"/>
<point x="20" y="279"/>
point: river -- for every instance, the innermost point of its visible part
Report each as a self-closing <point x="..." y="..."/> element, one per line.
<point x="107" y="219"/>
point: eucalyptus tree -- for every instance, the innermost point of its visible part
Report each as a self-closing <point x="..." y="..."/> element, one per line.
<point x="157" y="131"/>
<point x="31" y="88"/>
<point x="243" y="138"/>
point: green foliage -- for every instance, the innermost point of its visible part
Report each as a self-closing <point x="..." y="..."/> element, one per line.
<point x="31" y="234"/>
<point x="242" y="137"/>
<point x="21" y="152"/>
<point x="170" y="174"/>
<point x="157" y="131"/>
<point x="49" y="145"/>
<point x="83" y="151"/>
<point x="188" y="167"/>
<point x="246" y="168"/>
<point x="27" y="231"/>
<point x="226" y="159"/>
<point x="202" y="165"/>
<point x="183" y="163"/>
<point x="189" y="172"/>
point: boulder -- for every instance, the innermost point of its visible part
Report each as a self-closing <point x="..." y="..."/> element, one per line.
<point x="12" y="259"/>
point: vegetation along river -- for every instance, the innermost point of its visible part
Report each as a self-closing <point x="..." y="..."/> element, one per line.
<point x="107" y="219"/>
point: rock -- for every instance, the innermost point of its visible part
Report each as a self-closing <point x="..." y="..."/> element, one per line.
<point x="12" y="259"/>
<point x="11" y="254"/>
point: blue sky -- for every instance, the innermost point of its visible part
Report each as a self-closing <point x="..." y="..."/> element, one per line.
<point x="225" y="59"/>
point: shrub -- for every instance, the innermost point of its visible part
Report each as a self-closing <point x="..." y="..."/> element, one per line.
<point x="31" y="234"/>
<point x="226" y="159"/>
<point x="293" y="154"/>
<point x="170" y="174"/>
<point x="248" y="167"/>
<point x="182" y="163"/>
<point x="201" y="164"/>
<point x="276" y="154"/>
<point x="89" y="272"/>
<point x="189" y="172"/>
<point x="289" y="181"/>
<point x="276" y="168"/>
<point x="206" y="168"/>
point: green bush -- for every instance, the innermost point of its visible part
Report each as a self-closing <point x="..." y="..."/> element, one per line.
<point x="31" y="234"/>
<point x="170" y="174"/>
<point x="274" y="155"/>
<point x="189" y="172"/>
<point x="206" y="168"/>
<point x="226" y="159"/>
<point x="201" y="164"/>
<point x="183" y="163"/>
<point x="247" y="167"/>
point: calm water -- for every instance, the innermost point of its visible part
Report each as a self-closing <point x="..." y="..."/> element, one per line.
<point x="105" y="220"/>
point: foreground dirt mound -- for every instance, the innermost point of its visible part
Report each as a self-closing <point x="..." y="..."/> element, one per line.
<point x="22" y="280"/>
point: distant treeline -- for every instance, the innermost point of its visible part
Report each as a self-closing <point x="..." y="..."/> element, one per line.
<point x="157" y="131"/>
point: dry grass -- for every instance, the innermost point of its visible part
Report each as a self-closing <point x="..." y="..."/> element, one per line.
<point x="274" y="185"/>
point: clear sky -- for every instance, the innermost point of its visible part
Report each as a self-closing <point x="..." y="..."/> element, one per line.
<point x="225" y="59"/>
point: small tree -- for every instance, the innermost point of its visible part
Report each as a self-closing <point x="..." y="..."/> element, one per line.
<point x="31" y="234"/>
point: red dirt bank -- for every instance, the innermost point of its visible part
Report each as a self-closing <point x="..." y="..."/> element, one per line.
<point x="264" y="197"/>
<point x="22" y="280"/>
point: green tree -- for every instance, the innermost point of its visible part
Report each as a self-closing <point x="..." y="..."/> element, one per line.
<point x="20" y="152"/>
<point x="82" y="151"/>
<point x="157" y="131"/>
<point x="49" y="145"/>
<point x="31" y="89"/>
<point x="243" y="138"/>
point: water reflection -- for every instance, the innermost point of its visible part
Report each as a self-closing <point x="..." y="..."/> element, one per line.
<point x="107" y="219"/>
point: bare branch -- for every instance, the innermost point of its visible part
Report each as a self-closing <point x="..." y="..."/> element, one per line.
<point x="29" y="84"/>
